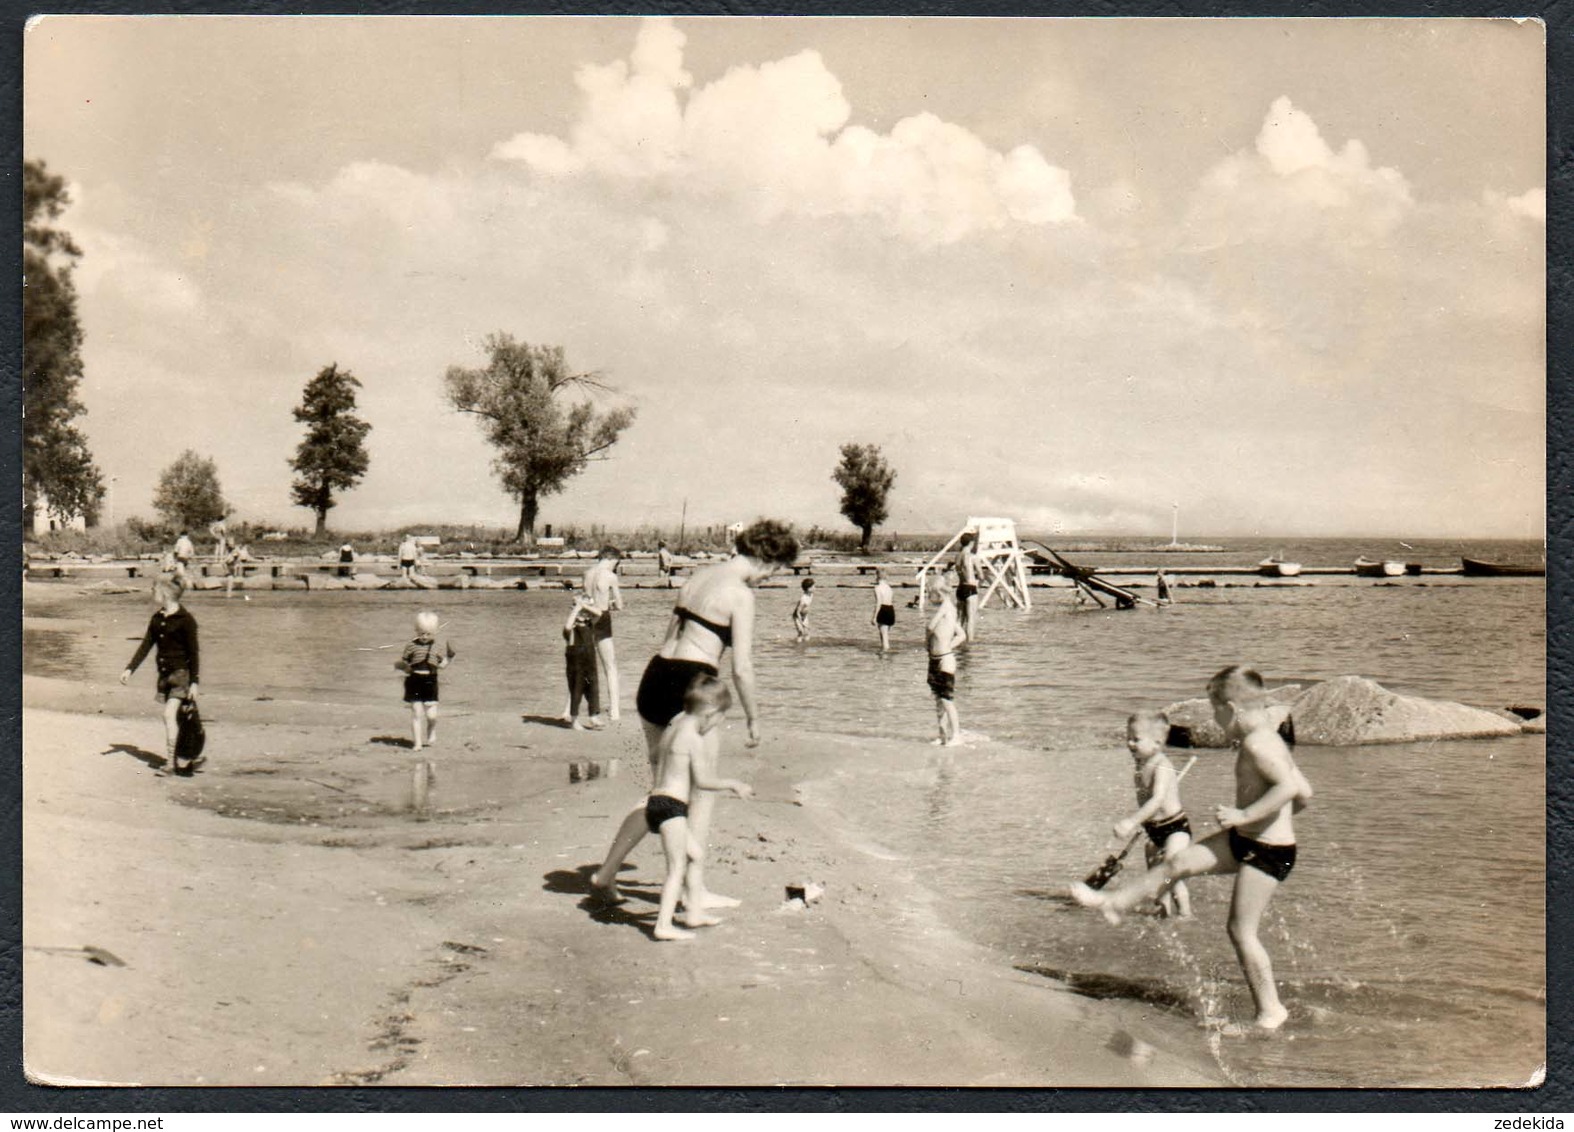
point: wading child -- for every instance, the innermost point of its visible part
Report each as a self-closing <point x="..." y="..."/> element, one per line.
<point x="884" y="609"/>
<point x="420" y="662"/>
<point x="1256" y="841"/>
<point x="173" y="631"/>
<point x="942" y="636"/>
<point x="800" y="612"/>
<point x="1159" y="810"/>
<point x="686" y="763"/>
<point x="579" y="663"/>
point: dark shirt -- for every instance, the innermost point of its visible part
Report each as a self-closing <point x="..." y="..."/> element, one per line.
<point x="175" y="634"/>
<point x="582" y="638"/>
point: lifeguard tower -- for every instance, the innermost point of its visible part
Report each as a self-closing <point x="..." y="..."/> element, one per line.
<point x="1002" y="565"/>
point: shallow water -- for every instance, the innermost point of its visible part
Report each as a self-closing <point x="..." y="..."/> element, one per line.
<point x="1409" y="942"/>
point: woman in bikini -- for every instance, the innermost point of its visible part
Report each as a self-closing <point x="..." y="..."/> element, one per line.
<point x="714" y="612"/>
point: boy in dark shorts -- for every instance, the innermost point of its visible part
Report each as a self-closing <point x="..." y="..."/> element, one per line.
<point x="174" y="632"/>
<point x="686" y="764"/>
<point x="943" y="635"/>
<point x="1256" y="840"/>
<point x="421" y="659"/>
<point x="884" y="609"/>
<point x="1159" y="810"/>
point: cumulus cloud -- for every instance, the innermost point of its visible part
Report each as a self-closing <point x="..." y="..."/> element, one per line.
<point x="1531" y="204"/>
<point x="1292" y="184"/>
<point x="777" y="138"/>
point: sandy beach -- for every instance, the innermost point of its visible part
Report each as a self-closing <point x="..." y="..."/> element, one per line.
<point x="284" y="918"/>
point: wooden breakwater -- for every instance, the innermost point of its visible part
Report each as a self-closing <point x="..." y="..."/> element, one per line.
<point x="543" y="572"/>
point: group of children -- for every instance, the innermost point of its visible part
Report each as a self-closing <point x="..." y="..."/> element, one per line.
<point x="1254" y="841"/>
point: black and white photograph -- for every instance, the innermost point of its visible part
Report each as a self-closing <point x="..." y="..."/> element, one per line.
<point x="637" y="551"/>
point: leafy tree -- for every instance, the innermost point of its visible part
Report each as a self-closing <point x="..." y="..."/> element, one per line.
<point x="188" y="494"/>
<point x="332" y="456"/>
<point x="865" y="480"/>
<point x="542" y="440"/>
<point x="55" y="457"/>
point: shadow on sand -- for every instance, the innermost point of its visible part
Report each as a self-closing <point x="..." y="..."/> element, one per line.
<point x="545" y="720"/>
<point x="633" y="911"/>
<point x="147" y="758"/>
<point x="393" y="741"/>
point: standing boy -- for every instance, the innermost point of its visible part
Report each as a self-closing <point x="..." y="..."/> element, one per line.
<point x="579" y="663"/>
<point x="421" y="659"/>
<point x="884" y="609"/>
<point x="173" y="631"/>
<point x="942" y="636"/>
<point x="601" y="592"/>
<point x="1256" y="841"/>
<point x="967" y="584"/>
<point x="686" y="763"/>
<point x="800" y="612"/>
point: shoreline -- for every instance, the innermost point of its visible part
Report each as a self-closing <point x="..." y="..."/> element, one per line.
<point x="284" y="920"/>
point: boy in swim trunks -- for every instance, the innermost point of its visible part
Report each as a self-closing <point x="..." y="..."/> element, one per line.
<point x="800" y="612"/>
<point x="884" y="609"/>
<point x="1256" y="840"/>
<point x="420" y="661"/>
<point x="601" y="591"/>
<point x="967" y="584"/>
<point x="686" y="763"/>
<point x="942" y="636"/>
<point x="1159" y="810"/>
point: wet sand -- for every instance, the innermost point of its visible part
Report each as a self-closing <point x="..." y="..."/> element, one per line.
<point x="284" y="918"/>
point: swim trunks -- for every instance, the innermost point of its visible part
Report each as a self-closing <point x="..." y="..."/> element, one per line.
<point x="886" y="616"/>
<point x="662" y="808"/>
<point x="1161" y="831"/>
<point x="421" y="687"/>
<point x="603" y="626"/>
<point x="965" y="591"/>
<point x="173" y="685"/>
<point x="941" y="682"/>
<point x="1275" y="860"/>
<point x="404" y="563"/>
<point x="661" y="690"/>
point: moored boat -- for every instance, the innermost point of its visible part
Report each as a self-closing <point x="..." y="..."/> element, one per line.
<point x="1475" y="567"/>
<point x="1274" y="566"/>
<point x="1366" y="568"/>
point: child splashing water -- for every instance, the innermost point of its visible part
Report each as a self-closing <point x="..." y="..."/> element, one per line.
<point x="1256" y="841"/>
<point x="1159" y="810"/>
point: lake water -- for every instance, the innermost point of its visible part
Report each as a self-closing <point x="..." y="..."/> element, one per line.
<point x="1409" y="943"/>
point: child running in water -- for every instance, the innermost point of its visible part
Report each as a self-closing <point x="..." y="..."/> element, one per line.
<point x="1159" y="810"/>
<point x="420" y="662"/>
<point x="1256" y="841"/>
<point x="800" y="612"/>
<point x="943" y="635"/>
<point x="686" y="764"/>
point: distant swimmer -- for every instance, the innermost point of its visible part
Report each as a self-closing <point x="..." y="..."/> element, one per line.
<point x="1256" y="840"/>
<point x="686" y="767"/>
<point x="800" y="612"/>
<point x="663" y="561"/>
<point x="409" y="555"/>
<point x="967" y="584"/>
<point x="603" y="596"/>
<point x="884" y="615"/>
<point x="942" y="635"/>
<point x="346" y="560"/>
<point x="1162" y="585"/>
<point x="714" y="612"/>
<point x="173" y="632"/>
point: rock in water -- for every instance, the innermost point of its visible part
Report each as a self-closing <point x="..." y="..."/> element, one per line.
<point x="1352" y="710"/>
<point x="1192" y="723"/>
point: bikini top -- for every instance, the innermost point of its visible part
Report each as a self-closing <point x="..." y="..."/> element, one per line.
<point x="723" y="632"/>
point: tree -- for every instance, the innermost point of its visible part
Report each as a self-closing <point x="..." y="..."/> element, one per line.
<point x="56" y="462"/>
<point x="866" y="480"/>
<point x="188" y="494"/>
<point x="541" y="441"/>
<point x="332" y="456"/>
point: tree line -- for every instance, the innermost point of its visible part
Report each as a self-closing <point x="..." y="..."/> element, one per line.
<point x="533" y="408"/>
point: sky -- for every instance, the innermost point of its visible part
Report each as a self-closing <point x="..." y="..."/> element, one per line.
<point x="1271" y="276"/>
